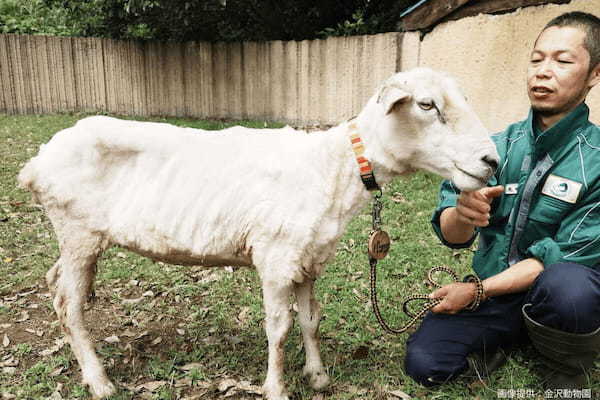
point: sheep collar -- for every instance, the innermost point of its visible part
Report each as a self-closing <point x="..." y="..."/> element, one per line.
<point x="366" y="171"/>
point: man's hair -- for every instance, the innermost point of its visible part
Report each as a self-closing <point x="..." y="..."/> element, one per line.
<point x="589" y="24"/>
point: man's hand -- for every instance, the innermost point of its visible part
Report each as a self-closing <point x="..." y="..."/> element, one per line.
<point x="456" y="297"/>
<point x="473" y="208"/>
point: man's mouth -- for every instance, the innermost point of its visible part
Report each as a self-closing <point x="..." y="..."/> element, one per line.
<point x="541" y="90"/>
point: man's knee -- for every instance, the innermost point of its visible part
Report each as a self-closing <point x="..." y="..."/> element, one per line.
<point x="427" y="367"/>
<point x="566" y="296"/>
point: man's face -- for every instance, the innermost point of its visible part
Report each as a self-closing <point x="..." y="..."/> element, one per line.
<point x="557" y="76"/>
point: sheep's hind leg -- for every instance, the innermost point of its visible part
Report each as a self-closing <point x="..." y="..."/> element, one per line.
<point x="278" y="321"/>
<point x="309" y="316"/>
<point x="72" y="278"/>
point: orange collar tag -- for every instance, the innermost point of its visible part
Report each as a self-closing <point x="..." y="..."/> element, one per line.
<point x="366" y="171"/>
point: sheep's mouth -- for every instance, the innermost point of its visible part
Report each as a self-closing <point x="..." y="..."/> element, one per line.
<point x="482" y="179"/>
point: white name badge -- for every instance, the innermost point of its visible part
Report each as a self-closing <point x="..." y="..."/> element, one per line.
<point x="511" y="188"/>
<point x="561" y="188"/>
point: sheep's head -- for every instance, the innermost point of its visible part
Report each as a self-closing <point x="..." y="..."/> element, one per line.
<point x="426" y="123"/>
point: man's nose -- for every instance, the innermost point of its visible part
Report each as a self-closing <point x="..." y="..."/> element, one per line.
<point x="543" y="69"/>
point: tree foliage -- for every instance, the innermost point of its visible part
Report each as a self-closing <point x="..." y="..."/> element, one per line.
<point x="208" y="20"/>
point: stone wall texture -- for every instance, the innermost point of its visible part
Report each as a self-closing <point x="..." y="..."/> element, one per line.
<point x="488" y="55"/>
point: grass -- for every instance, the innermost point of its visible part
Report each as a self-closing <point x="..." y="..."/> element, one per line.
<point x="210" y="319"/>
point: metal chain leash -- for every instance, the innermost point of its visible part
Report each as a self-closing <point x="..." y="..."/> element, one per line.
<point x="379" y="244"/>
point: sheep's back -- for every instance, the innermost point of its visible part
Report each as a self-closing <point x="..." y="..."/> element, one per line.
<point x="164" y="189"/>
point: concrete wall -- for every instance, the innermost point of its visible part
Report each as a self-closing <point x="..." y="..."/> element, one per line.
<point x="304" y="82"/>
<point x="488" y="54"/>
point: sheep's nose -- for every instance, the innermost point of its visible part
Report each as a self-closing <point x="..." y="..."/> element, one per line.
<point x="491" y="161"/>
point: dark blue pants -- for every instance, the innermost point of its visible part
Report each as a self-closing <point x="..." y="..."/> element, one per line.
<point x="565" y="296"/>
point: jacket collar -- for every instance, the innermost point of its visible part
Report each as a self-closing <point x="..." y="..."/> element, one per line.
<point x="559" y="139"/>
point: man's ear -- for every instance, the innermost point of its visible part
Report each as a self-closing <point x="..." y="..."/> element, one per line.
<point x="594" y="77"/>
<point x="390" y="96"/>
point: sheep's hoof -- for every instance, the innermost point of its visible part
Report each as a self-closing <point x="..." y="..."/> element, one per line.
<point x="318" y="380"/>
<point x="100" y="388"/>
<point x="274" y="392"/>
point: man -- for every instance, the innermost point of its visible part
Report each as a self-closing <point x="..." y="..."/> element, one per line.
<point x="539" y="230"/>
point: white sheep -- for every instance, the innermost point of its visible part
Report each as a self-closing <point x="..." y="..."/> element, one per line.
<point x="278" y="201"/>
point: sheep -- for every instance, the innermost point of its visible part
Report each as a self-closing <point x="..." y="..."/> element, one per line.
<point x="275" y="200"/>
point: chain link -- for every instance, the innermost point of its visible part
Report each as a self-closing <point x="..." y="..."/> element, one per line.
<point x="376" y="211"/>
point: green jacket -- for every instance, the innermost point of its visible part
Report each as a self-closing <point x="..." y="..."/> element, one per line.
<point x="550" y="209"/>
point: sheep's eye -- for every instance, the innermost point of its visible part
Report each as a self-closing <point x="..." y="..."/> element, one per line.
<point x="426" y="105"/>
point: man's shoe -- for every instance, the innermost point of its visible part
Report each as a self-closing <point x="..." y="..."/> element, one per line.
<point x="482" y="367"/>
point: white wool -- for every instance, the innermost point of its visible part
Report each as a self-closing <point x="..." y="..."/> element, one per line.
<point x="275" y="199"/>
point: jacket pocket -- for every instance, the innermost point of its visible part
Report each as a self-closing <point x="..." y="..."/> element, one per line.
<point x="543" y="221"/>
<point x="549" y="210"/>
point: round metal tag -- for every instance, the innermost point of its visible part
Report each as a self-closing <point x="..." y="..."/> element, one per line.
<point x="379" y="244"/>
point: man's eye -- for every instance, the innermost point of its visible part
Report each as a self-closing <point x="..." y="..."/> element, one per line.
<point x="565" y="62"/>
<point x="426" y="105"/>
<point x="535" y="60"/>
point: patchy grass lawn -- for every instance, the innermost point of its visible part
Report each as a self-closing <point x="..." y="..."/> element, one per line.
<point x="171" y="332"/>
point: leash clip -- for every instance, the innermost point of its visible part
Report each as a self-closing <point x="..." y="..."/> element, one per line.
<point x="379" y="240"/>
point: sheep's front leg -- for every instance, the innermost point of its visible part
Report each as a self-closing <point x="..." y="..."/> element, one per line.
<point x="309" y="316"/>
<point x="276" y="298"/>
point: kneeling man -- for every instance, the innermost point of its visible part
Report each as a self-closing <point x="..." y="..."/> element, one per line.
<point x="539" y="230"/>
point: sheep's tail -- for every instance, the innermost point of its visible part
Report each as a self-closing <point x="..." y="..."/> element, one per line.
<point x="28" y="176"/>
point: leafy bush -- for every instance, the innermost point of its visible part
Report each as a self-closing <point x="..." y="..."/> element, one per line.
<point x="208" y="20"/>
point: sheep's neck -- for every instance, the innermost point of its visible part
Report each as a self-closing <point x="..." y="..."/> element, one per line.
<point x="349" y="193"/>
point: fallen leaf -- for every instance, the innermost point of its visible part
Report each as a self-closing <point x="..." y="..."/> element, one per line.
<point x="27" y="293"/>
<point x="8" y="396"/>
<point x="8" y="260"/>
<point x="145" y="333"/>
<point x="112" y="339"/>
<point x="5" y="340"/>
<point x="233" y="339"/>
<point x="180" y="331"/>
<point x="129" y="333"/>
<point x="56" y="394"/>
<point x="226" y="384"/>
<point x="399" y="393"/>
<point x="194" y="397"/>
<point x="190" y="366"/>
<point x="58" y="344"/>
<point x="5" y="326"/>
<point x="10" y="362"/>
<point x="151" y="386"/>
<point x="57" y="371"/>
<point x="183" y="382"/>
<point x="244" y="314"/>
<point x="148" y="293"/>
<point x="157" y="341"/>
<point x="132" y="301"/>
<point x="9" y="370"/>
<point x="249" y="388"/>
<point x="34" y="332"/>
<point x="24" y="316"/>
<point x="318" y="396"/>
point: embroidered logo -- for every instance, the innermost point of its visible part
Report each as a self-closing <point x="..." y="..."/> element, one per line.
<point x="561" y="188"/>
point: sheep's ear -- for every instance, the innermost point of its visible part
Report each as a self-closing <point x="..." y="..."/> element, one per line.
<point x="389" y="96"/>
